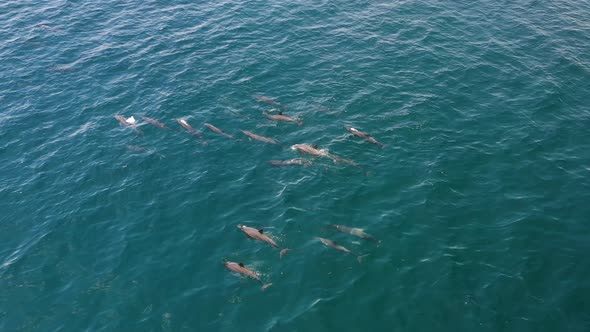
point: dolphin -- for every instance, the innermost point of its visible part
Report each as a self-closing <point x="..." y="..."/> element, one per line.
<point x="218" y="131"/>
<point x="314" y="151"/>
<point x="241" y="269"/>
<point x="290" y="162"/>
<point x="47" y="27"/>
<point x="364" y="136"/>
<point x="332" y="244"/>
<point x="192" y="130"/>
<point x="260" y="138"/>
<point x="358" y="232"/>
<point x="138" y="148"/>
<point x="154" y="122"/>
<point x="311" y="150"/>
<point x="281" y="117"/>
<point x="268" y="100"/>
<point x="258" y="234"/>
<point x="129" y="123"/>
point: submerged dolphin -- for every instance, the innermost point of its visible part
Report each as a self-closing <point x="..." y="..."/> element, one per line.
<point x="218" y="131"/>
<point x="358" y="232"/>
<point x="129" y="123"/>
<point x="47" y="27"/>
<point x="260" y="138"/>
<point x="281" y="117"/>
<point x="332" y="244"/>
<point x="138" y="148"/>
<point x="241" y="269"/>
<point x="268" y="100"/>
<point x="314" y="151"/>
<point x="363" y="135"/>
<point x="154" y="122"/>
<point x="192" y="130"/>
<point x="290" y="162"/>
<point x="258" y="234"/>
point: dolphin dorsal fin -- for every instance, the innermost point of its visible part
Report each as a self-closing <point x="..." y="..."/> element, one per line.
<point x="261" y="231"/>
<point x="315" y="146"/>
<point x="280" y="112"/>
<point x="241" y="264"/>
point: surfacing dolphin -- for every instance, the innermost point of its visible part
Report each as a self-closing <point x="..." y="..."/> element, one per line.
<point x="260" y="138"/>
<point x="332" y="244"/>
<point x="241" y="269"/>
<point x="218" y="131"/>
<point x="258" y="234"/>
<point x="314" y="151"/>
<point x="358" y="232"/>
<point x="364" y="136"/>
<point x="290" y="162"/>
<point x="192" y="130"/>
<point x="154" y="122"/>
<point x="282" y="117"/>
<point x="129" y="123"/>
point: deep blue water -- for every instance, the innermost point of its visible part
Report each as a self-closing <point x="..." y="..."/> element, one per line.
<point x="480" y="197"/>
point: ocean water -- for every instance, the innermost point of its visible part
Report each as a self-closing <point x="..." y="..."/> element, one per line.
<point x="480" y="197"/>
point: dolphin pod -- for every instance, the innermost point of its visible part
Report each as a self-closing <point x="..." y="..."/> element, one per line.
<point x="303" y="148"/>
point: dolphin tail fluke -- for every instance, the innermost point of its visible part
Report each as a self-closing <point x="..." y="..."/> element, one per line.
<point x="265" y="286"/>
<point x="360" y="258"/>
<point x="300" y="123"/>
<point x="284" y="252"/>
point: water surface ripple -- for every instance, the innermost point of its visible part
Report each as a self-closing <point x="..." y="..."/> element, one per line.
<point x="480" y="196"/>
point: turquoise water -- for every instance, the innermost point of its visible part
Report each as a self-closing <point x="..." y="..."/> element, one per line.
<point x="480" y="197"/>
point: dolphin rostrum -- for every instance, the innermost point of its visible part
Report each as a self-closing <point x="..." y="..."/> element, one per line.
<point x="281" y="117"/>
<point x="129" y="123"/>
<point x="290" y="162"/>
<point x="241" y="269"/>
<point x="192" y="130"/>
<point x="358" y="232"/>
<point x="258" y="234"/>
<point x="154" y="122"/>
<point x="218" y="131"/>
<point x="260" y="138"/>
<point x="364" y="136"/>
<point x="332" y="244"/>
